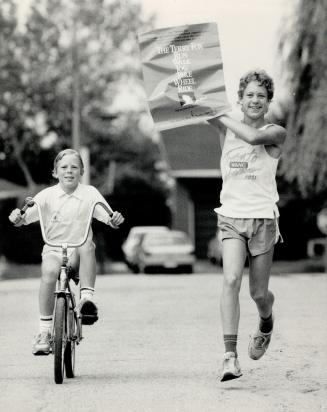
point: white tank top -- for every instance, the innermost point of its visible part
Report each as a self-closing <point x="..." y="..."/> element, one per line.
<point x="249" y="180"/>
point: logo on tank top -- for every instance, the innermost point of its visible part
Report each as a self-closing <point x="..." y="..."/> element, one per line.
<point x="238" y="165"/>
<point x="242" y="165"/>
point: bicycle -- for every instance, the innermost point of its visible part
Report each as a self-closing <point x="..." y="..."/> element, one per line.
<point x="67" y="324"/>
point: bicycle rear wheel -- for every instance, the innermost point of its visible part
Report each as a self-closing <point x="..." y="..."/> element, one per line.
<point x="59" y="339"/>
<point x="69" y="355"/>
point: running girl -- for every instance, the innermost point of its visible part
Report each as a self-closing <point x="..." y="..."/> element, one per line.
<point x="248" y="216"/>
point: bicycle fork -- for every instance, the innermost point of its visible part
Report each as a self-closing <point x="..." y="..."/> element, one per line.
<point x="63" y="291"/>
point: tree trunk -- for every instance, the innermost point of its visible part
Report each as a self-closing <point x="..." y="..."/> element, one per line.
<point x="23" y="166"/>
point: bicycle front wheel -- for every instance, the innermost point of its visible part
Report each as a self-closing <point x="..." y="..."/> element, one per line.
<point x="59" y="339"/>
<point x="69" y="356"/>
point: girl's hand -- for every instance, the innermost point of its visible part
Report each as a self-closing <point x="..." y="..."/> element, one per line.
<point x="16" y="217"/>
<point x="116" y="220"/>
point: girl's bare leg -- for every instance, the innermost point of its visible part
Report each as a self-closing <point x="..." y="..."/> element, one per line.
<point x="260" y="267"/>
<point x="234" y="255"/>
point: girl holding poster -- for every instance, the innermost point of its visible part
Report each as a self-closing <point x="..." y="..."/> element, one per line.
<point x="248" y="215"/>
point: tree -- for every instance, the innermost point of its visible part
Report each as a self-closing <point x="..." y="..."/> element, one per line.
<point x="93" y="43"/>
<point x="95" y="39"/>
<point x="13" y="105"/>
<point x="304" y="45"/>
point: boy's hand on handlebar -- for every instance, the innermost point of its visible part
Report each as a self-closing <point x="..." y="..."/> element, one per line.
<point x="116" y="220"/>
<point x="16" y="217"/>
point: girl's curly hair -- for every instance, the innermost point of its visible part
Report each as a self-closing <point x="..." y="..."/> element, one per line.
<point x="262" y="77"/>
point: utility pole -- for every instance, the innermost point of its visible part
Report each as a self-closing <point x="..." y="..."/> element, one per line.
<point x="76" y="115"/>
<point x="76" y="91"/>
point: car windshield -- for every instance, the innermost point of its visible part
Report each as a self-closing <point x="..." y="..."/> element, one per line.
<point x="166" y="240"/>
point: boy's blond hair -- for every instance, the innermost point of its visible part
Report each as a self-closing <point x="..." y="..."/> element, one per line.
<point x="63" y="153"/>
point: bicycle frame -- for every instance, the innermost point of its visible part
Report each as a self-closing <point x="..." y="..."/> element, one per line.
<point x="63" y="289"/>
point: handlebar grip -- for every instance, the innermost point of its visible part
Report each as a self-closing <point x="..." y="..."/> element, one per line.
<point x="29" y="202"/>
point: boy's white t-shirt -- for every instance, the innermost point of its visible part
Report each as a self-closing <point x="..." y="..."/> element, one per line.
<point x="65" y="216"/>
<point x="249" y="180"/>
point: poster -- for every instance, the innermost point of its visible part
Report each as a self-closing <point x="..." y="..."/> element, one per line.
<point x="183" y="74"/>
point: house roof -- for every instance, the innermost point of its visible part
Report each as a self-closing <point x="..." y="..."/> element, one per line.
<point x="192" y="150"/>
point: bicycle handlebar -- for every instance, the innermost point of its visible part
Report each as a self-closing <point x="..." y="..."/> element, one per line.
<point x="30" y="202"/>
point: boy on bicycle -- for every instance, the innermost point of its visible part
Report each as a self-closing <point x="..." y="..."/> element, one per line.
<point x="65" y="208"/>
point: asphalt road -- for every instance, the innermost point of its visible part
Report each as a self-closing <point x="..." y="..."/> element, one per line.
<point x="157" y="347"/>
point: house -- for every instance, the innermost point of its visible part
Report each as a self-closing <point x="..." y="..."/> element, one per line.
<point x="193" y="154"/>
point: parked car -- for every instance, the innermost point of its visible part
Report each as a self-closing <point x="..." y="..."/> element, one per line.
<point x="317" y="249"/>
<point x="133" y="241"/>
<point x="215" y="249"/>
<point x="171" y="250"/>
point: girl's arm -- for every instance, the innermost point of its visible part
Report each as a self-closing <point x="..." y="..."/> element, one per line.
<point x="221" y="130"/>
<point x="273" y="135"/>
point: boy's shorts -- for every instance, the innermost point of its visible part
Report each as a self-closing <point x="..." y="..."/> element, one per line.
<point x="260" y="235"/>
<point x="57" y="252"/>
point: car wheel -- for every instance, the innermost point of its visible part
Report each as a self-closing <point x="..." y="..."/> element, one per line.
<point x="186" y="269"/>
<point x="135" y="269"/>
<point x="213" y="260"/>
<point x="189" y="269"/>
